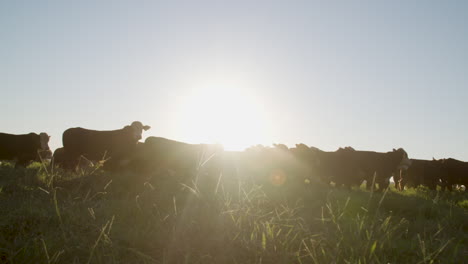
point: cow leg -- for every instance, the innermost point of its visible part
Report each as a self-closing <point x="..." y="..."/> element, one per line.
<point x="24" y="161"/>
<point x="384" y="184"/>
<point x="71" y="163"/>
<point x="21" y="164"/>
<point x="381" y="182"/>
<point x="449" y="187"/>
<point x="432" y="186"/>
<point x="398" y="179"/>
<point x="348" y="186"/>
<point x="402" y="184"/>
<point x="370" y="182"/>
<point x="445" y="186"/>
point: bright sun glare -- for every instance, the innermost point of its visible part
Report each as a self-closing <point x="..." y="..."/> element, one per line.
<point x="234" y="117"/>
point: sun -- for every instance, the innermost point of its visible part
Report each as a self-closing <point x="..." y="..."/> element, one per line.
<point x="218" y="113"/>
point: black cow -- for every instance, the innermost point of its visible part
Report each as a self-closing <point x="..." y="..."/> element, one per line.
<point x="421" y="172"/>
<point x="455" y="172"/>
<point x="338" y="166"/>
<point x="159" y="153"/>
<point x="24" y="148"/>
<point x="380" y="165"/>
<point x="62" y="159"/>
<point x="348" y="167"/>
<point x="94" y="145"/>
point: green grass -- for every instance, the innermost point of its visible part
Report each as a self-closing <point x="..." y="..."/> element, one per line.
<point x="97" y="217"/>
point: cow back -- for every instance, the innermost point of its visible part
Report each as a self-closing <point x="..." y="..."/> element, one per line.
<point x="371" y="161"/>
<point x="454" y="171"/>
<point x="19" y="146"/>
<point x="96" y="144"/>
<point x="423" y="172"/>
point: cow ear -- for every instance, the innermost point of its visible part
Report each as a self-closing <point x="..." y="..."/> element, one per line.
<point x="146" y="128"/>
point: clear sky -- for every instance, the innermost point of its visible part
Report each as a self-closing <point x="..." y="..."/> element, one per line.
<point x="374" y="75"/>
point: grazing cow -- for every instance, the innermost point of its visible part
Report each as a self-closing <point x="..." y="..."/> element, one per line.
<point x="455" y="172"/>
<point x="24" y="148"/>
<point x="159" y="153"/>
<point x="380" y="165"/>
<point x="348" y="167"/>
<point x="338" y="166"/>
<point x="421" y="172"/>
<point x="62" y="159"/>
<point x="97" y="145"/>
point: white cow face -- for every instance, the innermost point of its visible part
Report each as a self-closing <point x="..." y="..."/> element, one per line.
<point x="138" y="128"/>
<point x="44" y="139"/>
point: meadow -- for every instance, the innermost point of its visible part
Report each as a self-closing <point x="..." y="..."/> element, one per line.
<point x="93" y="216"/>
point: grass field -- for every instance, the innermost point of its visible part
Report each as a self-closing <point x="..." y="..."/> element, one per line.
<point x="98" y="217"/>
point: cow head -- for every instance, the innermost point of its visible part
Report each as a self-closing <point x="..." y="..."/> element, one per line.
<point x="405" y="162"/>
<point x="137" y="129"/>
<point x="44" y="150"/>
<point x="44" y="139"/>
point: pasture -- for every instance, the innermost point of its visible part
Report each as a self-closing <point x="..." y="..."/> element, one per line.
<point x="94" y="216"/>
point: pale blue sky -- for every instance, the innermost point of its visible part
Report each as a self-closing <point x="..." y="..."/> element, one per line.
<point x="370" y="74"/>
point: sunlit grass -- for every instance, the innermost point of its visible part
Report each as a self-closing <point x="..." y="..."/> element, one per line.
<point x="49" y="216"/>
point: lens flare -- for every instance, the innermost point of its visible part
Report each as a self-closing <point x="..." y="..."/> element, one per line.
<point x="277" y="177"/>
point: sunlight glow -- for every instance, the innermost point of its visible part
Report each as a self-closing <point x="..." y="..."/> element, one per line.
<point x="219" y="113"/>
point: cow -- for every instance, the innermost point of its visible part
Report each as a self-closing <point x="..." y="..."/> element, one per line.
<point x="348" y="167"/>
<point x="24" y="148"/>
<point x="379" y="167"/>
<point x="62" y="159"/>
<point x="162" y="154"/>
<point x="421" y="172"/>
<point x="59" y="156"/>
<point x="454" y="172"/>
<point x="337" y="166"/>
<point x="95" y="145"/>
